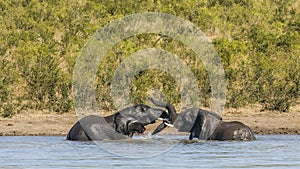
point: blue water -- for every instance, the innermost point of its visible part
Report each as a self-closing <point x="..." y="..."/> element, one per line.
<point x="162" y="151"/>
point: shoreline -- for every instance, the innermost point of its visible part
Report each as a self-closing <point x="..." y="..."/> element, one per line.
<point x="52" y="124"/>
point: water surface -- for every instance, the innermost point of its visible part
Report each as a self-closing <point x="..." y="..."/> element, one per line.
<point x="162" y="151"/>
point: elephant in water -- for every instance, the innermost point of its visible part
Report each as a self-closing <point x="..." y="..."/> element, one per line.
<point x="121" y="125"/>
<point x="205" y="125"/>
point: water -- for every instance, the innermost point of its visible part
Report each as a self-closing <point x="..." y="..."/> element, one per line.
<point x="162" y="151"/>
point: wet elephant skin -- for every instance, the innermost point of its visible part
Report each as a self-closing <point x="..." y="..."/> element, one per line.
<point x="121" y="125"/>
<point x="206" y="125"/>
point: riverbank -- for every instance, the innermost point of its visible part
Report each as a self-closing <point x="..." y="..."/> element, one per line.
<point x="47" y="123"/>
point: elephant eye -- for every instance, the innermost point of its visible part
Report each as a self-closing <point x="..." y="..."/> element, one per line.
<point x="141" y="108"/>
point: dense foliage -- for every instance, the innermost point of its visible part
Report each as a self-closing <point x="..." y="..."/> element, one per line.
<point x="258" y="41"/>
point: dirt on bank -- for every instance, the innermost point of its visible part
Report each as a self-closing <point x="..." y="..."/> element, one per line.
<point x="45" y="123"/>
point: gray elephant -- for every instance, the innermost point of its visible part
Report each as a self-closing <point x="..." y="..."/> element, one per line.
<point x="121" y="125"/>
<point x="205" y="125"/>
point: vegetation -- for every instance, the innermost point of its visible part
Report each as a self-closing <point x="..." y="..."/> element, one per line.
<point x="258" y="41"/>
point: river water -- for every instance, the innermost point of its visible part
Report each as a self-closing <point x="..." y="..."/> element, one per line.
<point x="161" y="151"/>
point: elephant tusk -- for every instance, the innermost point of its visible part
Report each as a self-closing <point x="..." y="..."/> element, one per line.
<point x="161" y="119"/>
<point x="170" y="125"/>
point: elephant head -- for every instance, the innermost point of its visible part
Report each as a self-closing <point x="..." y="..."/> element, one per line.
<point x="147" y="115"/>
<point x="144" y="113"/>
<point x="200" y="123"/>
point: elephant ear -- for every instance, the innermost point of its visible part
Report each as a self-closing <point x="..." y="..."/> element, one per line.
<point x="135" y="127"/>
<point x="210" y="121"/>
<point x="186" y="120"/>
<point x="206" y="122"/>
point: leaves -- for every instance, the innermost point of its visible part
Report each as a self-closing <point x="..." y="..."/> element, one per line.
<point x="258" y="42"/>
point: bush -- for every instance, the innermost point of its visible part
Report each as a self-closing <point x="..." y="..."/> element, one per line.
<point x="8" y="106"/>
<point x="47" y="86"/>
<point x="258" y="42"/>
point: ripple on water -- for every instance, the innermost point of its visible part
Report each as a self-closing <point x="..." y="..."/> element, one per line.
<point x="162" y="151"/>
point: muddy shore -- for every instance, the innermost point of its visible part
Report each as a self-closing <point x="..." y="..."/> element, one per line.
<point x="52" y="124"/>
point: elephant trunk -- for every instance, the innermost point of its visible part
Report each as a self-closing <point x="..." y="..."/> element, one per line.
<point x="171" y="109"/>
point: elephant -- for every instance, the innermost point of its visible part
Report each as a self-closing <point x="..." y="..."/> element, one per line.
<point x="121" y="125"/>
<point x="204" y="125"/>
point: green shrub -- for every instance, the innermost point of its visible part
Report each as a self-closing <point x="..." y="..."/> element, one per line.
<point x="258" y="42"/>
<point x="47" y="86"/>
<point x="8" y="106"/>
